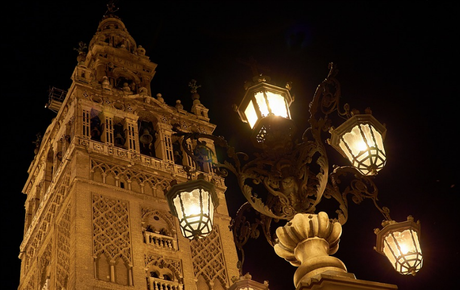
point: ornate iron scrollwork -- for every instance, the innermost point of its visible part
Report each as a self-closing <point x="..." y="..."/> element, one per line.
<point x="284" y="181"/>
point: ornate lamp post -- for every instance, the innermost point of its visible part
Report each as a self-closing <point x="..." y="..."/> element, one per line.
<point x="286" y="180"/>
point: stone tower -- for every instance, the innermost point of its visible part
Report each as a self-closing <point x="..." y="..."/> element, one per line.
<point x="96" y="215"/>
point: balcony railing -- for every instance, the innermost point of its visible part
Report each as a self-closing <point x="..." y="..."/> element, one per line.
<point x="160" y="284"/>
<point x="161" y="241"/>
<point x="152" y="162"/>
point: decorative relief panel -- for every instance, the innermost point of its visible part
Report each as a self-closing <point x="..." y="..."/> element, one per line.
<point x="112" y="240"/>
<point x="126" y="178"/>
<point x="111" y="231"/>
<point x="208" y="259"/>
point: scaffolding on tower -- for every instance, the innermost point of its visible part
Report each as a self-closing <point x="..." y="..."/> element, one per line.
<point x="55" y="98"/>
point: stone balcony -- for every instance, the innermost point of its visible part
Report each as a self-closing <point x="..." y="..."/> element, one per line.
<point x="160" y="241"/>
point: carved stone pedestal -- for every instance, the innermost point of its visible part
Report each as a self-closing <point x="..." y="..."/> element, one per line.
<point x="331" y="280"/>
<point x="307" y="242"/>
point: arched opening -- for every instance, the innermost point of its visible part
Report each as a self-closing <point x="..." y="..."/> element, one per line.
<point x="103" y="268"/>
<point x="96" y="126"/>
<point x="147" y="137"/>
<point x="154" y="274"/>
<point x="121" y="272"/>
<point x="119" y="133"/>
<point x="201" y="283"/>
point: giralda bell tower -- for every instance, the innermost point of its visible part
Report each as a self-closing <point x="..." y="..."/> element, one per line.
<point x="96" y="215"/>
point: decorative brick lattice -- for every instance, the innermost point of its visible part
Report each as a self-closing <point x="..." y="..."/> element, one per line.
<point x="41" y="223"/>
<point x="208" y="258"/>
<point x="45" y="261"/>
<point x="31" y="282"/>
<point x="111" y="228"/>
<point x="63" y="250"/>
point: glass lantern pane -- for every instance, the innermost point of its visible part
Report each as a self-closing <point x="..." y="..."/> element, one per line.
<point x="417" y="241"/>
<point x="344" y="148"/>
<point x="261" y="102"/>
<point x="405" y="242"/>
<point x="368" y="138"/>
<point x="378" y="139"/>
<point x="388" y="249"/>
<point x="191" y="202"/>
<point x="178" y="206"/>
<point x="251" y="114"/>
<point x="277" y="104"/>
<point x="205" y="200"/>
<point x="354" y="141"/>
<point x="211" y="210"/>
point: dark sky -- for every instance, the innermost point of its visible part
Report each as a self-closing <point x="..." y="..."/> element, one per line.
<point x="399" y="59"/>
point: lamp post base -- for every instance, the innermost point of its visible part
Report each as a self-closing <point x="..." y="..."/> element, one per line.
<point x="333" y="280"/>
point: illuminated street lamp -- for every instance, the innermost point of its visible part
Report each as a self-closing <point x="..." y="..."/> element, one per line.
<point x="193" y="203"/>
<point x="265" y="107"/>
<point x="287" y="180"/>
<point x="399" y="242"/>
<point x="360" y="139"/>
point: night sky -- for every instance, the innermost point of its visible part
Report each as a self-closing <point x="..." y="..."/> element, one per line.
<point x="399" y="59"/>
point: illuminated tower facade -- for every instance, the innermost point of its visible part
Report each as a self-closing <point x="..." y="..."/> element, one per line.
<point x="96" y="215"/>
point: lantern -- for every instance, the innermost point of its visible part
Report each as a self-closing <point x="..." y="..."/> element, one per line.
<point x="265" y="107"/>
<point x="360" y="139"/>
<point x="193" y="203"/>
<point x="400" y="243"/>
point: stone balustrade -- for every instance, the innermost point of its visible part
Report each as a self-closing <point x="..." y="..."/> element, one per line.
<point x="161" y="284"/>
<point x="161" y="241"/>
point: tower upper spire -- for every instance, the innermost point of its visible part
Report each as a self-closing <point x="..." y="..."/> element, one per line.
<point x="114" y="60"/>
<point x="111" y="10"/>
<point x="112" y="32"/>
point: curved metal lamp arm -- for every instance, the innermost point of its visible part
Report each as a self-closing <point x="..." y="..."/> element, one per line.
<point x="252" y="170"/>
<point x="325" y="101"/>
<point x="243" y="229"/>
<point x="360" y="188"/>
<point x="247" y="224"/>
